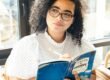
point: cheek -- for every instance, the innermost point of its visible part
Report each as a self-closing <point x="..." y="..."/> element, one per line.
<point x="49" y="20"/>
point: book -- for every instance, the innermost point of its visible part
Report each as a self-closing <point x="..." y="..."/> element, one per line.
<point x="102" y="73"/>
<point x="59" y="70"/>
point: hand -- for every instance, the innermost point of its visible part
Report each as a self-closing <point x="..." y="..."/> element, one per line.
<point x="76" y="76"/>
<point x="93" y="76"/>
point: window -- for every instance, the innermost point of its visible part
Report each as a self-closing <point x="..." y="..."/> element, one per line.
<point x="14" y="24"/>
<point x="97" y="19"/>
<point x="9" y="32"/>
<point x="97" y="22"/>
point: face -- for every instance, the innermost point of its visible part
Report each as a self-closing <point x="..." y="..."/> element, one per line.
<point x="60" y="16"/>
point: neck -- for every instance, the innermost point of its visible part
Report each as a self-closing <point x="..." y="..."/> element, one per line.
<point x="57" y="36"/>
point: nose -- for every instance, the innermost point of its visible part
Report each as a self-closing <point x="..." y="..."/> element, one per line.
<point x="59" y="17"/>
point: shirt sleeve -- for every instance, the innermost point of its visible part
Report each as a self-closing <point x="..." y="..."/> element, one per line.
<point x="23" y="60"/>
<point x="87" y="46"/>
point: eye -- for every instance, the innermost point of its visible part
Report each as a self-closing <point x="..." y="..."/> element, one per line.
<point x="54" y="10"/>
<point x="67" y="14"/>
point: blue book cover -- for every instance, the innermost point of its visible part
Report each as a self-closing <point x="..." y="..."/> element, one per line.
<point x="59" y="70"/>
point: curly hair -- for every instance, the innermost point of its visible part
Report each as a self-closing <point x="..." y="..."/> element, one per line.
<point x="38" y="18"/>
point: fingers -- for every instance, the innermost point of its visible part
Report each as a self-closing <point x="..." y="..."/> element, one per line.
<point x="76" y="76"/>
<point x="93" y="77"/>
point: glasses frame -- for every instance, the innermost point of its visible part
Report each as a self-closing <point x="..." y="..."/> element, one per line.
<point x="61" y="15"/>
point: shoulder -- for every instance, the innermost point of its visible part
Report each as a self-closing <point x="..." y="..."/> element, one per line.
<point x="28" y="39"/>
<point x="87" y="45"/>
<point x="25" y="45"/>
<point x="24" y="54"/>
<point x="31" y="39"/>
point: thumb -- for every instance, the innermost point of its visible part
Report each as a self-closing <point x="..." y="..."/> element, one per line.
<point x="76" y="76"/>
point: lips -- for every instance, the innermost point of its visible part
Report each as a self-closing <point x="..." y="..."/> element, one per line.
<point x="58" y="24"/>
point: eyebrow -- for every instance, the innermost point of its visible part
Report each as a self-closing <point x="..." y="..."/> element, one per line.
<point x="64" y="10"/>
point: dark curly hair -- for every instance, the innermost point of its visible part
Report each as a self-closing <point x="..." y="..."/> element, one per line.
<point x="38" y="18"/>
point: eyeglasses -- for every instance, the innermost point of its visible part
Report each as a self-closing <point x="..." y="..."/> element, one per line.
<point x="64" y="15"/>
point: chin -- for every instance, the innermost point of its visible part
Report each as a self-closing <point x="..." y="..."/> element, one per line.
<point x="59" y="30"/>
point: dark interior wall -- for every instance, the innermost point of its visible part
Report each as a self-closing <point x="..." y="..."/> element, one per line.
<point x="24" y="17"/>
<point x="3" y="55"/>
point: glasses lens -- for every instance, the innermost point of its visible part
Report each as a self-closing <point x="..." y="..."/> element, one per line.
<point x="54" y="12"/>
<point x="66" y="16"/>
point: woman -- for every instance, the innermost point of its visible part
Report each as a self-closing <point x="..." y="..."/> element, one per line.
<point x="59" y="31"/>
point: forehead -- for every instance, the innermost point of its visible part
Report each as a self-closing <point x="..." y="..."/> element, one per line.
<point x="65" y="5"/>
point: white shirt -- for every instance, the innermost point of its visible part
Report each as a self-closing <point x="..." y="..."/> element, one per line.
<point x="34" y="49"/>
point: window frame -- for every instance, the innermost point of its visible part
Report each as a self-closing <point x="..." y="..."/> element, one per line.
<point x="23" y="24"/>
